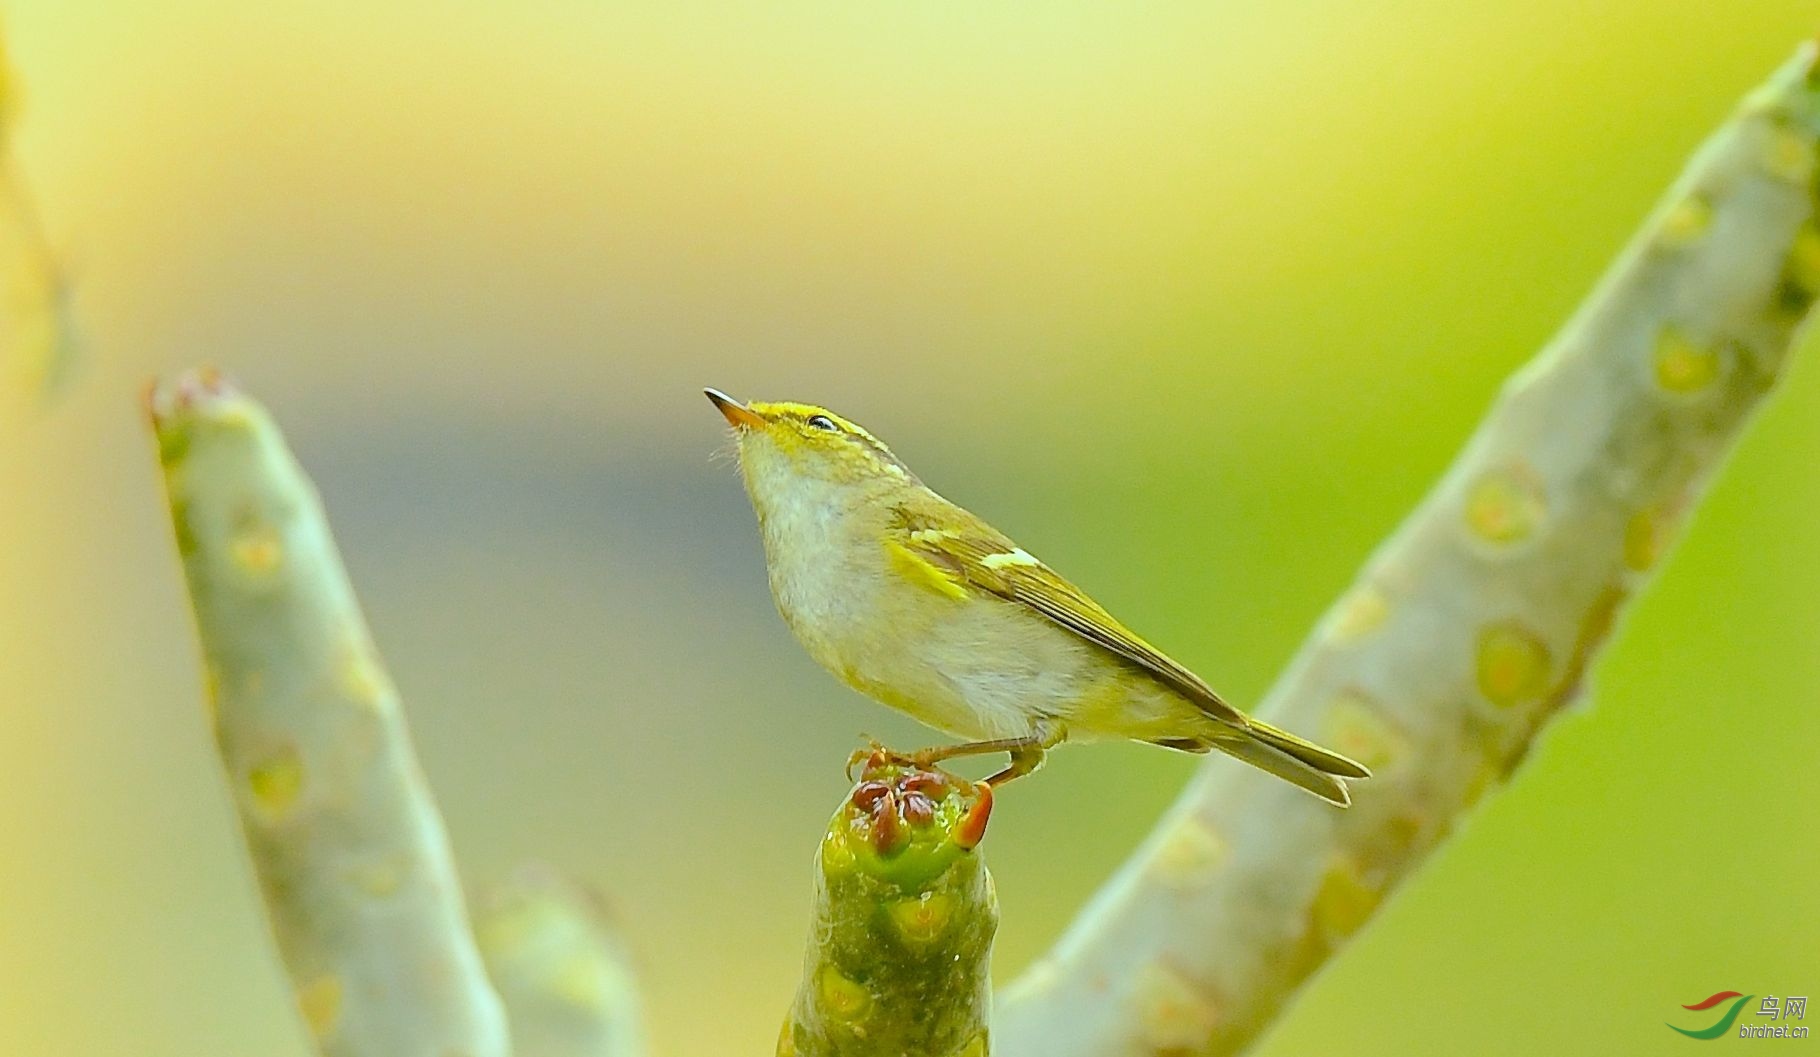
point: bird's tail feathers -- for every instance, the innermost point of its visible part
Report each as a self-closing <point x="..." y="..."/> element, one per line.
<point x="1323" y="760"/>
<point x="1299" y="762"/>
<point x="1295" y="760"/>
<point x="1267" y="757"/>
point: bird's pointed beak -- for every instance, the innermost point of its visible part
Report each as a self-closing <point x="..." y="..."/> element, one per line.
<point x="738" y="415"/>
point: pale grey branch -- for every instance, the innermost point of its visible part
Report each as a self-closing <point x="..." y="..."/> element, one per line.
<point x="1472" y="625"/>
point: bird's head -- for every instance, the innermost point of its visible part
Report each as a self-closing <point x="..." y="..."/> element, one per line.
<point x="803" y="447"/>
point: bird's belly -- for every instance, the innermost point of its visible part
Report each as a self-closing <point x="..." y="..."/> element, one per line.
<point x="976" y="668"/>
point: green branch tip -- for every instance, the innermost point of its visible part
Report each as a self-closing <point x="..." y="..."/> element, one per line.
<point x="901" y="940"/>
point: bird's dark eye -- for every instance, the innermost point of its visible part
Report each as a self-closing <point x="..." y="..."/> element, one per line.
<point x="823" y="422"/>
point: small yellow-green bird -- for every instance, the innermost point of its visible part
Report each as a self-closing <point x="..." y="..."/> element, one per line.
<point x="919" y="604"/>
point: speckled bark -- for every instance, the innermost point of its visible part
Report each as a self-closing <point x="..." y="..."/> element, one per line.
<point x="350" y="854"/>
<point x="1470" y="628"/>
<point x="901" y="940"/>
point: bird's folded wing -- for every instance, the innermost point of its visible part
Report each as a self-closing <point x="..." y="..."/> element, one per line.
<point x="964" y="553"/>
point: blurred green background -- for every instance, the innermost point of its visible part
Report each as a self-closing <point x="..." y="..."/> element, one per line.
<point x="1194" y="299"/>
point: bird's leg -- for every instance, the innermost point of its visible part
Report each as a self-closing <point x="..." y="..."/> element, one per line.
<point x="1027" y="753"/>
<point x="936" y="754"/>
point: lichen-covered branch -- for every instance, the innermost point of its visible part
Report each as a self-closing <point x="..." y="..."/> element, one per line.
<point x="351" y="856"/>
<point x="566" y="979"/>
<point x="1471" y="627"/>
<point x="901" y="940"/>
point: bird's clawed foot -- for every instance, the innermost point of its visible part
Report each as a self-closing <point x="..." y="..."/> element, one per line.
<point x="874" y="755"/>
<point x="899" y="795"/>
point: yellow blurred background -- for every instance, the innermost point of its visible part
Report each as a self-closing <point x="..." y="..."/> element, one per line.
<point x="1195" y="299"/>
